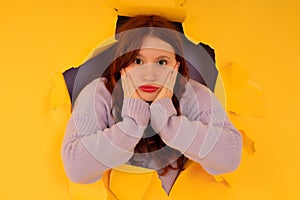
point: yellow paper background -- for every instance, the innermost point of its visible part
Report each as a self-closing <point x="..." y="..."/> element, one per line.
<point x="256" y="38"/>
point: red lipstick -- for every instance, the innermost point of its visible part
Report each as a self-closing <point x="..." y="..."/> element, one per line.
<point x="148" y="88"/>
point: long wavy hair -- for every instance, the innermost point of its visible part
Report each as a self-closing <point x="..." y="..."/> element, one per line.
<point x="130" y="36"/>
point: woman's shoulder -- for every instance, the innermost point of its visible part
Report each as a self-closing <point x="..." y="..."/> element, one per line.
<point x="194" y="88"/>
<point x="94" y="90"/>
<point x="196" y="97"/>
<point x="197" y="85"/>
<point x="96" y="85"/>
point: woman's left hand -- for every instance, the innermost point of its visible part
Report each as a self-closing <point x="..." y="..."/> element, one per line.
<point x="167" y="89"/>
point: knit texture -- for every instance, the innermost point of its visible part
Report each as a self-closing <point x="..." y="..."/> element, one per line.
<point x="94" y="142"/>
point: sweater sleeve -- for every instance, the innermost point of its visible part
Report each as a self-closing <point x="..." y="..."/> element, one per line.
<point x="203" y="132"/>
<point x="90" y="146"/>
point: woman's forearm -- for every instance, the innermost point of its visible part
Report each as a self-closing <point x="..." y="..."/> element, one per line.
<point x="212" y="141"/>
<point x="91" y="145"/>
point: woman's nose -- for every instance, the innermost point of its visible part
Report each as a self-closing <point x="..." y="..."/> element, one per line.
<point x="149" y="72"/>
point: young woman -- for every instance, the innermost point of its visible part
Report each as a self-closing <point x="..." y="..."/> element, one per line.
<point x="145" y="111"/>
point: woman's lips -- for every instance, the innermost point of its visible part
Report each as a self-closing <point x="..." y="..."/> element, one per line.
<point x="148" y="88"/>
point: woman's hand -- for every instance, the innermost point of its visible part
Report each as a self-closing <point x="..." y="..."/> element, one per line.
<point x="167" y="89"/>
<point x="128" y="86"/>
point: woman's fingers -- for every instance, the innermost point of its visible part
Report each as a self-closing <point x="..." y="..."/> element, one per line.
<point x="168" y="86"/>
<point x="127" y="89"/>
<point x="131" y="85"/>
<point x="128" y="85"/>
<point x="170" y="80"/>
<point x="124" y="83"/>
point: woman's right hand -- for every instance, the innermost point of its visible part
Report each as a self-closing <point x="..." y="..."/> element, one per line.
<point x="128" y="86"/>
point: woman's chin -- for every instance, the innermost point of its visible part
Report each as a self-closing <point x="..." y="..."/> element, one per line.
<point x="148" y="96"/>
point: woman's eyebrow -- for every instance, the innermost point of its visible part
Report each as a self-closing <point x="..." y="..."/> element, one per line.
<point x="139" y="55"/>
<point x="163" y="57"/>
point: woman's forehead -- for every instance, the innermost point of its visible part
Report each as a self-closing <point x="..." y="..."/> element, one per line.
<point x="156" y="43"/>
<point x="153" y="53"/>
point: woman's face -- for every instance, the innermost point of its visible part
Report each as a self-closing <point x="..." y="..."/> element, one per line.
<point x="152" y="66"/>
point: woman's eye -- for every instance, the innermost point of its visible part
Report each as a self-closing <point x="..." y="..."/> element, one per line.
<point x="138" y="61"/>
<point x="162" y="62"/>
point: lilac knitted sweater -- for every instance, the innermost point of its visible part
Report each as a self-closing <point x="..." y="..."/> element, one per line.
<point x="94" y="142"/>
